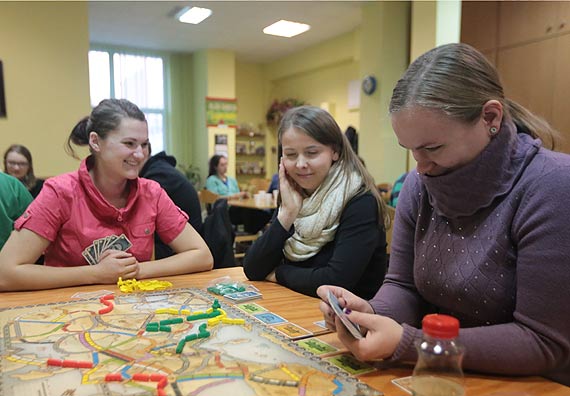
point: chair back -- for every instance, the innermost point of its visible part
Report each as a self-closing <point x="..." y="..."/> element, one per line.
<point x="219" y="235"/>
<point x="392" y="213"/>
<point x="207" y="198"/>
<point x="258" y="184"/>
<point x="384" y="189"/>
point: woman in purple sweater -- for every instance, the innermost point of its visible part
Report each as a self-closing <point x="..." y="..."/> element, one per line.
<point x="482" y="228"/>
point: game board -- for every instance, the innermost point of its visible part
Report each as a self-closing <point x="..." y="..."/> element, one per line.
<point x="122" y="357"/>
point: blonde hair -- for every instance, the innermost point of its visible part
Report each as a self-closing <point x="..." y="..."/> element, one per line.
<point x="321" y="126"/>
<point x="458" y="80"/>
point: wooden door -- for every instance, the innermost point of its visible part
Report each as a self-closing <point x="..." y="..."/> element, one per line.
<point x="561" y="97"/>
<point x="479" y="24"/>
<point x="527" y="73"/>
<point x="523" y="21"/>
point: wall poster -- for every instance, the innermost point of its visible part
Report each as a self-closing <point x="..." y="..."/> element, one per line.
<point x="221" y="112"/>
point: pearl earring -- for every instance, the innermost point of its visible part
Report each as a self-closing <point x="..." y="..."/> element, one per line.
<point x="493" y="131"/>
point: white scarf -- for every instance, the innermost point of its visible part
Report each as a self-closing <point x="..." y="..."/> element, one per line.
<point x="319" y="216"/>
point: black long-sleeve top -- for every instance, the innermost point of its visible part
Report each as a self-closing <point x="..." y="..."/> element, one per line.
<point x="355" y="259"/>
<point x="162" y="169"/>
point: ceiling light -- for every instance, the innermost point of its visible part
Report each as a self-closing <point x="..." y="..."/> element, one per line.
<point x="285" y="28"/>
<point x="193" y="15"/>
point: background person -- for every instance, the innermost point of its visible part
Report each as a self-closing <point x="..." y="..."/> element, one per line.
<point x="14" y="199"/>
<point x="220" y="183"/>
<point x="18" y="163"/>
<point x="104" y="197"/>
<point x="329" y="227"/>
<point x="481" y="229"/>
<point x="162" y="169"/>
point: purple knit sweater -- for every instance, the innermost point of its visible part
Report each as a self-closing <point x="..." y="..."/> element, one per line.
<point x="489" y="244"/>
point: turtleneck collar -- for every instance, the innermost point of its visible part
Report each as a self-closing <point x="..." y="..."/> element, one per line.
<point x="491" y="174"/>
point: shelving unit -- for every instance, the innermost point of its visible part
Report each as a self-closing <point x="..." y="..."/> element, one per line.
<point x="250" y="154"/>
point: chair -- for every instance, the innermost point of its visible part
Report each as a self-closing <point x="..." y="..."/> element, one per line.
<point x="207" y="198"/>
<point x="392" y="213"/>
<point x="258" y="184"/>
<point x="212" y="201"/>
<point x="219" y="235"/>
<point x="385" y="189"/>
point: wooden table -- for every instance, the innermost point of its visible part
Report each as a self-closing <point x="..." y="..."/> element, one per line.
<point x="304" y="311"/>
<point x="251" y="204"/>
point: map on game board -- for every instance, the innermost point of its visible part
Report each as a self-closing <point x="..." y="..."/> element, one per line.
<point x="175" y="342"/>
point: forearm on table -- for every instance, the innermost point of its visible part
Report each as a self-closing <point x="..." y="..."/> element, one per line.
<point x="38" y="277"/>
<point x="196" y="260"/>
<point x="266" y="253"/>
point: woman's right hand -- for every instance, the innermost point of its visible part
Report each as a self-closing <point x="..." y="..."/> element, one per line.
<point x="291" y="198"/>
<point x="114" y="264"/>
<point x="345" y="298"/>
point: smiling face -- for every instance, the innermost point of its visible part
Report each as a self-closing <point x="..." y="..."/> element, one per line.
<point x="17" y="165"/>
<point x="439" y="144"/>
<point x="306" y="160"/>
<point x="124" y="151"/>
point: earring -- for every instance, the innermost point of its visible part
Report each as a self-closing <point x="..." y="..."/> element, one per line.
<point x="493" y="131"/>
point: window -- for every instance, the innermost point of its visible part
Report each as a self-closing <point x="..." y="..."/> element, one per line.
<point x="138" y="78"/>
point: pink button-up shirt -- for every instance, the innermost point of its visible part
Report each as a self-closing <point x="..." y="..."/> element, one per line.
<point x="71" y="213"/>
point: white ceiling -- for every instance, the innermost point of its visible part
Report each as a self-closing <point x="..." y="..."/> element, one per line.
<point x="234" y="25"/>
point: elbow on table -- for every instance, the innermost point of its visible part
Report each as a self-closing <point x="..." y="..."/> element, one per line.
<point x="208" y="261"/>
<point x="253" y="273"/>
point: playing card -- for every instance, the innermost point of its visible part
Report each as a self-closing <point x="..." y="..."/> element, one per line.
<point x="120" y="243"/>
<point x="353" y="328"/>
<point x="251" y="308"/>
<point x="242" y="296"/>
<point x="350" y="364"/>
<point x="318" y="347"/>
<point x="292" y="331"/>
<point x="269" y="318"/>
<point x="90" y="260"/>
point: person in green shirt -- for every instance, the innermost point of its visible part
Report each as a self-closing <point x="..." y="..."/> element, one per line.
<point x="14" y="199"/>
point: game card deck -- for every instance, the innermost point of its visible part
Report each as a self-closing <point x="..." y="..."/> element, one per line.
<point x="93" y="252"/>
<point x="353" y="328"/>
<point x="242" y="296"/>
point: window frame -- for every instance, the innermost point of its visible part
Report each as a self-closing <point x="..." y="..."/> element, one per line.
<point x="111" y="51"/>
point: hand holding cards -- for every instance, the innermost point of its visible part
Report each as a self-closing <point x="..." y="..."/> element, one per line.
<point x="94" y="251"/>
<point x="353" y="328"/>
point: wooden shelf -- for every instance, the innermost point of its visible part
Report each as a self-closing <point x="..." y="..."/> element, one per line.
<point x="251" y="155"/>
<point x="249" y="136"/>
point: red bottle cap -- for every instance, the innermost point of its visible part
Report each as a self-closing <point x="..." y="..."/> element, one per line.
<point x="440" y="326"/>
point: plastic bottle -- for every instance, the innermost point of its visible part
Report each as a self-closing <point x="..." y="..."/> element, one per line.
<point x="438" y="370"/>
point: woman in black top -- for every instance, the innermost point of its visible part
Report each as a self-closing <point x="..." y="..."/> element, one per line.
<point x="329" y="228"/>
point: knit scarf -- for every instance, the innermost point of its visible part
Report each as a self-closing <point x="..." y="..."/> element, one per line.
<point x="319" y="216"/>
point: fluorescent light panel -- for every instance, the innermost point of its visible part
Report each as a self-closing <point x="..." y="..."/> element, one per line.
<point x="193" y="15"/>
<point x="285" y="28"/>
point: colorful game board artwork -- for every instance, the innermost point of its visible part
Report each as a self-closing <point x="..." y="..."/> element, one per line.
<point x="131" y="349"/>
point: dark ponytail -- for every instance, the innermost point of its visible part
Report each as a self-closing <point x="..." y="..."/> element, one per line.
<point x="79" y="136"/>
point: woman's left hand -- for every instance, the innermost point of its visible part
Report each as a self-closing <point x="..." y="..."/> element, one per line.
<point x="382" y="337"/>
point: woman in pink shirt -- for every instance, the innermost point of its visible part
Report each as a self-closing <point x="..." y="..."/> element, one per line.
<point x="97" y="224"/>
